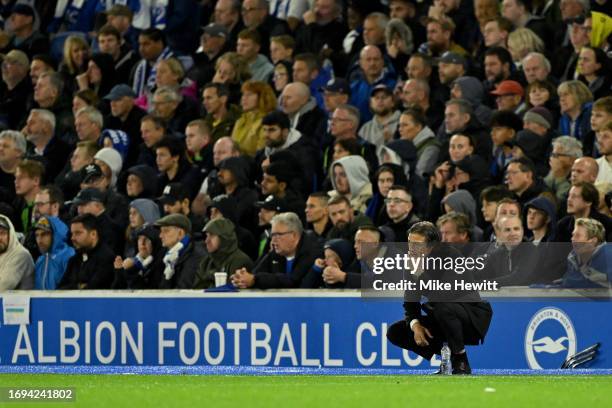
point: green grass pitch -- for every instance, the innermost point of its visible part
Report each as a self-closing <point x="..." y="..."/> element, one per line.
<point x="322" y="391"/>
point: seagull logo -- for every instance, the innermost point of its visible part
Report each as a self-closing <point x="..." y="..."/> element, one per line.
<point x="548" y="345"/>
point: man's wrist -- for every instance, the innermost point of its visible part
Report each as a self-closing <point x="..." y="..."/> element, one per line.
<point x="413" y="322"/>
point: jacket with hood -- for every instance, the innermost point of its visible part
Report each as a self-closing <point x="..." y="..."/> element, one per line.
<point x="245" y="197"/>
<point x="50" y="266"/>
<point x="228" y="258"/>
<point x="546" y="206"/>
<point x="361" y="90"/>
<point x="248" y="132"/>
<point x="148" y="179"/>
<point x="146" y="273"/>
<point x="472" y="91"/>
<point x="428" y="150"/>
<point x="261" y="69"/>
<point x="595" y="273"/>
<point x="463" y="202"/>
<point x="16" y="264"/>
<point x="149" y="211"/>
<point x="107" y="68"/>
<point x="357" y="174"/>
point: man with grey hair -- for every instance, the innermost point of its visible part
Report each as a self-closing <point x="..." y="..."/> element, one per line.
<point x="40" y="132"/>
<point x="536" y="67"/>
<point x="169" y="105"/>
<point x="12" y="150"/>
<point x="48" y="93"/>
<point x="566" y="150"/>
<point x="256" y="16"/>
<point x="459" y="118"/>
<point x="88" y="124"/>
<point x="570" y="10"/>
<point x="17" y="89"/>
<point x="301" y="107"/>
<point x="294" y="252"/>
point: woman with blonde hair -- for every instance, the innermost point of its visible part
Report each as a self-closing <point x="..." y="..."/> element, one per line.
<point x="75" y="60"/>
<point x="232" y="70"/>
<point x="521" y="42"/>
<point x="258" y="99"/>
<point x="575" y="102"/>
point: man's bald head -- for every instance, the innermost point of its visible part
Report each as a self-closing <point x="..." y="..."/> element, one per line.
<point x="371" y="62"/>
<point x="295" y="95"/>
<point x="224" y="147"/>
<point x="584" y="169"/>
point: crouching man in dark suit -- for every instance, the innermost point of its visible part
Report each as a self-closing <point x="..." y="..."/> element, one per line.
<point x="453" y="317"/>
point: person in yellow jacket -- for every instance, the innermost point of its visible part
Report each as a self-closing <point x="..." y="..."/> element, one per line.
<point x="257" y="101"/>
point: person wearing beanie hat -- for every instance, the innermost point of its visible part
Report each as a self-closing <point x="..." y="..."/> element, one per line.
<point x="223" y="253"/>
<point x="531" y="145"/>
<point x="109" y="159"/>
<point x="140" y="181"/>
<point x="539" y="120"/>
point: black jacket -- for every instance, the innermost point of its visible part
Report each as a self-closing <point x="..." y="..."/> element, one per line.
<point x="55" y="155"/>
<point x="565" y="226"/>
<point x="131" y="127"/>
<point x="13" y="104"/>
<point x="90" y="270"/>
<point x="270" y="271"/>
<point x="185" y="268"/>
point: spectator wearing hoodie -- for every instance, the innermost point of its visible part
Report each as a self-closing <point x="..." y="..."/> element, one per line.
<point x="330" y="271"/>
<point x="382" y="127"/>
<point x="140" y="182"/>
<point x="142" y="212"/>
<point x="532" y="146"/>
<point x="51" y="238"/>
<point x="541" y="216"/>
<point x="463" y="202"/>
<point x="16" y="264"/>
<point x="472" y="90"/>
<point x="223" y="206"/>
<point x="350" y="179"/>
<point x="248" y="47"/>
<point x="234" y="179"/>
<point x="223" y="253"/>
<point x="144" y="270"/>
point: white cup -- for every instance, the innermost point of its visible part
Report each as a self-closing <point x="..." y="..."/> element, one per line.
<point x="220" y="278"/>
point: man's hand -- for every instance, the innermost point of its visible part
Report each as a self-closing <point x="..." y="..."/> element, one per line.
<point x="242" y="279"/>
<point x="333" y="274"/>
<point x="421" y="333"/>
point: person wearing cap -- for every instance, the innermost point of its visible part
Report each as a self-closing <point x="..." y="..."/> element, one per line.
<point x="214" y="42"/>
<point x="55" y="253"/>
<point x="382" y="127"/>
<point x="183" y="254"/>
<point x="40" y="132"/>
<point x="153" y="48"/>
<point x="223" y="206"/>
<point x="145" y="268"/>
<point x="509" y="97"/>
<point x="92" y="265"/>
<point x="336" y="92"/>
<point x="234" y="179"/>
<point x="91" y="201"/>
<point x="124" y="57"/>
<point x="268" y="208"/>
<point x="16" y="264"/>
<point x="17" y="89"/>
<point x="223" y="253"/>
<point x="451" y="66"/>
<point x="25" y="38"/>
<point x="175" y="200"/>
<point x="372" y="72"/>
<point x="284" y="267"/>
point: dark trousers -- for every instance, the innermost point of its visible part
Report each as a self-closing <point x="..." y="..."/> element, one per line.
<point x="447" y="322"/>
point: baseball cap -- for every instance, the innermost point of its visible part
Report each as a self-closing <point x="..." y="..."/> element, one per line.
<point x="216" y="30"/>
<point x="88" y="195"/>
<point x="508" y="87"/>
<point x="43" y="224"/>
<point x="23" y="9"/>
<point x="91" y="172"/>
<point x="119" y="91"/>
<point x="175" y="220"/>
<point x="381" y="87"/>
<point x="337" y="85"/>
<point x="17" y="56"/>
<point x="450" y="57"/>
<point x="272" y="203"/>
<point x="172" y="193"/>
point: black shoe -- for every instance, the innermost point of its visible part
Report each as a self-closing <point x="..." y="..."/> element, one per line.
<point x="461" y="365"/>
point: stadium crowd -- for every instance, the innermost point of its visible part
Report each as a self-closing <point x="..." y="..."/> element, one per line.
<point x="151" y="143"/>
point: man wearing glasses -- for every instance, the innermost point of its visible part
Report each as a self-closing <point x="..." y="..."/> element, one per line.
<point x="293" y="253"/>
<point x="399" y="209"/>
